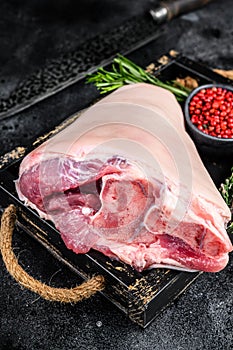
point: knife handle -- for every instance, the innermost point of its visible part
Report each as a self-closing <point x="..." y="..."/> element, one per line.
<point x="178" y="7"/>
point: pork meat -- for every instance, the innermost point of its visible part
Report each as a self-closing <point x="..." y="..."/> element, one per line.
<point x="125" y="179"/>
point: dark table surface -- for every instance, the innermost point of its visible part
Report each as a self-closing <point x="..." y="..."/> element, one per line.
<point x="38" y="38"/>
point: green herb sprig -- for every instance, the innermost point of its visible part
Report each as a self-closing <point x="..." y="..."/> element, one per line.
<point x="126" y="72"/>
<point x="226" y="190"/>
<point x="230" y="229"/>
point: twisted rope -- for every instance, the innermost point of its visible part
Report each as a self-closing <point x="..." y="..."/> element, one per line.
<point x="64" y="295"/>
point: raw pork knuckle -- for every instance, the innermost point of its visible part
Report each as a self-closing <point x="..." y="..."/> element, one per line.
<point x="126" y="179"/>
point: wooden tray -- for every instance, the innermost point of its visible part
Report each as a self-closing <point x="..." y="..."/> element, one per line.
<point x="142" y="296"/>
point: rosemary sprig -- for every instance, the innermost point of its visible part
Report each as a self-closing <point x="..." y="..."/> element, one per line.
<point x="126" y="72"/>
<point x="230" y="229"/>
<point x="226" y="190"/>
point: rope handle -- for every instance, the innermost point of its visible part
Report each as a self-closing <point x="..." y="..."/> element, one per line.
<point x="64" y="295"/>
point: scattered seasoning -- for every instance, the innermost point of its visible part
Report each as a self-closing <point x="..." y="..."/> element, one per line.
<point x="163" y="60"/>
<point x="187" y="82"/>
<point x="11" y="156"/>
<point x="151" y="68"/>
<point x="225" y="73"/>
<point x="211" y="111"/>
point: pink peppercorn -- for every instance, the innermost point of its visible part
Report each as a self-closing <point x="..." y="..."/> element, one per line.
<point x="212" y="113"/>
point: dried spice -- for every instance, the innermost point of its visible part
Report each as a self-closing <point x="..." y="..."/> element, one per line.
<point x="211" y="111"/>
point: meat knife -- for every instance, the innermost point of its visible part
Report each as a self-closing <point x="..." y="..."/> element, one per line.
<point x="169" y="9"/>
<point x="139" y="29"/>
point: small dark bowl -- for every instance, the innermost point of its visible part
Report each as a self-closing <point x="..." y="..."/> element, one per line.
<point x="207" y="144"/>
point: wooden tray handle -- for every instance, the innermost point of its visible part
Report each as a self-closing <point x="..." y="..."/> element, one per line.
<point x="64" y="295"/>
